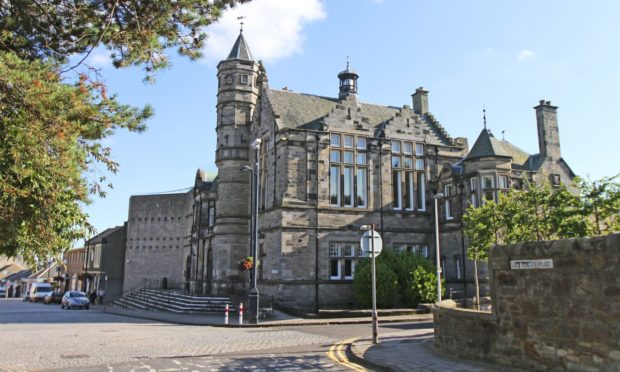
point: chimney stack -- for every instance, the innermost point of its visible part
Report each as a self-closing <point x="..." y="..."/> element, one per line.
<point x="548" y="131"/>
<point x="420" y="101"/>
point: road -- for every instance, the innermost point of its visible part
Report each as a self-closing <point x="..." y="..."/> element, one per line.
<point x="44" y="337"/>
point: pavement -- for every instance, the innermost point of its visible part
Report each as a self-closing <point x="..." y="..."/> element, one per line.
<point x="397" y="349"/>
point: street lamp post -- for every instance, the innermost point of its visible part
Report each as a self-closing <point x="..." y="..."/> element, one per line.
<point x="437" y="253"/>
<point x="462" y="209"/>
<point x="253" y="308"/>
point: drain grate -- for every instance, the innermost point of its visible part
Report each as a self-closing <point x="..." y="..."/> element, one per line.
<point x="74" y="356"/>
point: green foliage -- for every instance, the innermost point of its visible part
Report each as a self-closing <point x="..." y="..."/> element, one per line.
<point x="544" y="213"/>
<point x="396" y="281"/>
<point x="51" y="128"/>
<point x="387" y="283"/>
<point x="424" y="285"/>
<point x="49" y="139"/>
<point x="136" y="32"/>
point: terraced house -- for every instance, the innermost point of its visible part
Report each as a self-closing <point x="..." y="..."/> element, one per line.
<point x="327" y="165"/>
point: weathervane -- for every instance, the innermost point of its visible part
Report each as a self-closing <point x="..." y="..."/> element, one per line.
<point x="240" y="19"/>
<point x="484" y="116"/>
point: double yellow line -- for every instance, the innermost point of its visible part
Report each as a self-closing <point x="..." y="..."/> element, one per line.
<point x="338" y="353"/>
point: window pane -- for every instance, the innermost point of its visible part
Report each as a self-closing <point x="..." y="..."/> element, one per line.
<point x="396" y="147"/>
<point x="349" y="250"/>
<point x="408" y="148"/>
<point x="473" y="184"/>
<point x="334" y="185"/>
<point x="361" y="188"/>
<point x="348" y="269"/>
<point x="334" y="249"/>
<point x="361" y="158"/>
<point x="348" y="141"/>
<point x="409" y="191"/>
<point x="396" y="189"/>
<point x="419" y="164"/>
<point x="408" y="162"/>
<point x="348" y="157"/>
<point x="421" y="194"/>
<point x="361" y="143"/>
<point x="348" y="186"/>
<point x="334" y="269"/>
<point x="335" y="140"/>
<point x="487" y="182"/>
<point x="419" y="149"/>
<point x="395" y="161"/>
<point x="334" y="156"/>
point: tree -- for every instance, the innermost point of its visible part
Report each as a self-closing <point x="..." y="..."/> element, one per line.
<point x="540" y="212"/>
<point x="54" y="116"/>
<point x="387" y="283"/>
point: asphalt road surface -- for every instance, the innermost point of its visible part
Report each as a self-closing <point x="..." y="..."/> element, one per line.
<point x="44" y="337"/>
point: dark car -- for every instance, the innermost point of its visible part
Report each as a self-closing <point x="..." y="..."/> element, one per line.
<point x="75" y="299"/>
<point x="53" y="298"/>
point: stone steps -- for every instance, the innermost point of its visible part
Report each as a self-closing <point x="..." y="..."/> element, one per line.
<point x="170" y="301"/>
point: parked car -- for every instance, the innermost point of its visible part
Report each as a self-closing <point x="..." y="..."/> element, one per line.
<point x="38" y="291"/>
<point x="75" y="299"/>
<point x="53" y="298"/>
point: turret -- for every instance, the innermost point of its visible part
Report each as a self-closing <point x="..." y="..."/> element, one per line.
<point x="348" y="83"/>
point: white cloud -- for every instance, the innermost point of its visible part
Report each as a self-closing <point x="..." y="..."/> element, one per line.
<point x="99" y="60"/>
<point x="524" y="55"/>
<point x="272" y="28"/>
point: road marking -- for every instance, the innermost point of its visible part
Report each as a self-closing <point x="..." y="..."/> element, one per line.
<point x="337" y="353"/>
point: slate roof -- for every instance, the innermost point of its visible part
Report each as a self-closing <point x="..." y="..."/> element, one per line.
<point x="488" y="146"/>
<point x="105" y="233"/>
<point x="301" y="110"/>
<point x="240" y="50"/>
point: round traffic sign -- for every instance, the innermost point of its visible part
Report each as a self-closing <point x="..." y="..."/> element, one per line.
<point x="367" y="246"/>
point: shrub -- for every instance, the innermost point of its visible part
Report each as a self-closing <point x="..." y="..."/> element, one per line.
<point x="387" y="283"/>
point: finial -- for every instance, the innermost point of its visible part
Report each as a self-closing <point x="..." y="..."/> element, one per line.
<point x="503" y="139"/>
<point x="347" y="62"/>
<point x="240" y="19"/>
<point x="484" y="116"/>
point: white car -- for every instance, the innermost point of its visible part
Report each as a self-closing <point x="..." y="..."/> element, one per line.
<point x="74" y="299"/>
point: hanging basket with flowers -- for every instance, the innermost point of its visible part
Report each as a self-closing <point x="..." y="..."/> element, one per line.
<point x="246" y="263"/>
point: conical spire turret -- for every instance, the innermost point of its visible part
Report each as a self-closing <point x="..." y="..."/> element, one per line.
<point x="240" y="50"/>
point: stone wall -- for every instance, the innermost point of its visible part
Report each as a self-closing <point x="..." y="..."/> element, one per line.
<point x="561" y="318"/>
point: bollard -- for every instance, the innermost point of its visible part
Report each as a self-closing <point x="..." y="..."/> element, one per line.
<point x="241" y="313"/>
<point x="226" y="315"/>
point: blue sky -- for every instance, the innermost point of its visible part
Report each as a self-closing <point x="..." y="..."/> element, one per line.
<point x="505" y="55"/>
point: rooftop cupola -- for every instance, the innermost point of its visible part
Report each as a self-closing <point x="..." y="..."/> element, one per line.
<point x="348" y="83"/>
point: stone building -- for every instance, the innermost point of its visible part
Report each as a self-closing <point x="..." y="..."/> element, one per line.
<point x="327" y="165"/>
<point x="157" y="240"/>
<point x="491" y="168"/>
<point x="104" y="260"/>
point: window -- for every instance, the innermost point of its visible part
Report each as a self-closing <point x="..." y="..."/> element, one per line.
<point x="473" y="184"/>
<point x="244" y="79"/>
<point x="474" y="200"/>
<point x="342" y="259"/>
<point x="408" y="148"/>
<point x="335" y="140"/>
<point x="488" y="181"/>
<point x="457" y="263"/>
<point x="419" y="149"/>
<point x="361" y="143"/>
<point x="447" y="189"/>
<point x="555" y="179"/>
<point x="211" y="212"/>
<point x="408" y="182"/>
<point x="229" y="79"/>
<point x="348" y="141"/>
<point x="396" y="147"/>
<point x="503" y="181"/>
<point x="348" y="173"/>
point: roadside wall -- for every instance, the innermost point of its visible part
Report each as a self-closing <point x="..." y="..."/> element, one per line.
<point x="566" y="317"/>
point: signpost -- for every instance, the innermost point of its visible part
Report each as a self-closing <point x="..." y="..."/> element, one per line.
<point x="373" y="249"/>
